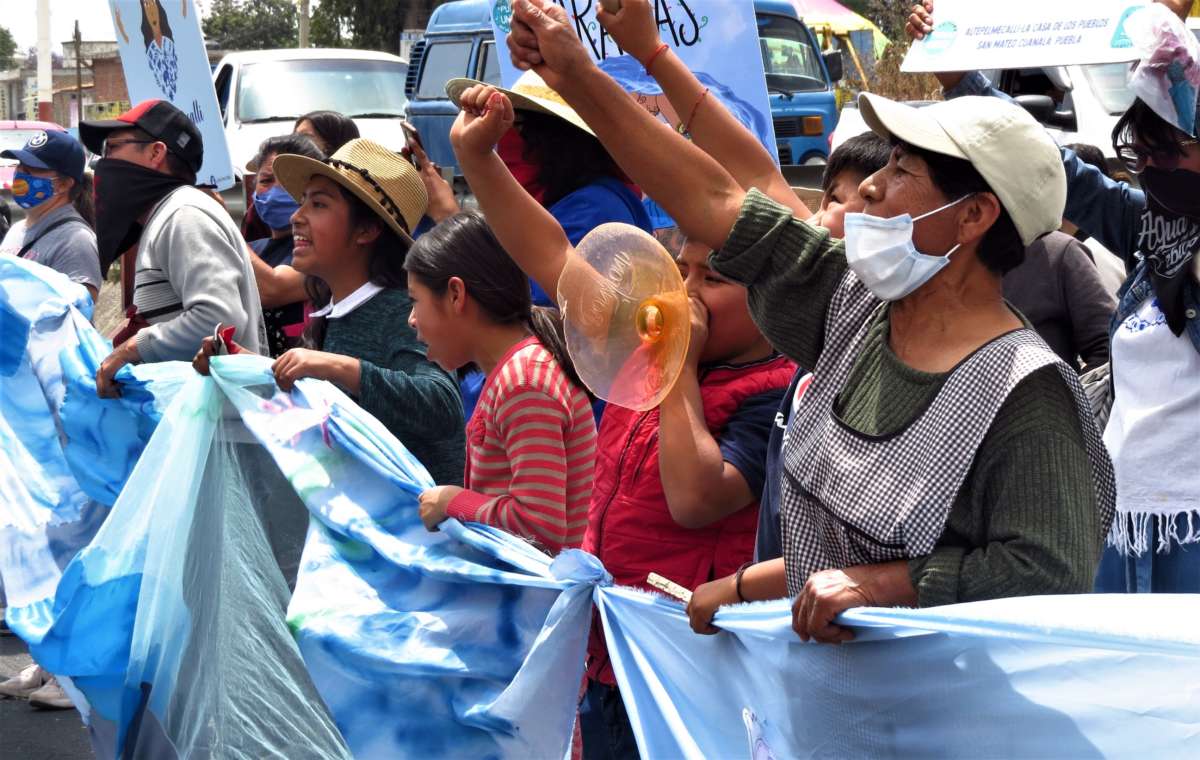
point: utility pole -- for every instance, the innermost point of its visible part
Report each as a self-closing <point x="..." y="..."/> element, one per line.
<point x="303" y="23"/>
<point x="78" y="73"/>
<point x="45" y="76"/>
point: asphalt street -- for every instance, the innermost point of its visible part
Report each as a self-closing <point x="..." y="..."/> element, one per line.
<point x="29" y="734"/>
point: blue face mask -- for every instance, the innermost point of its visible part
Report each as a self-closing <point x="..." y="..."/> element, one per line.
<point x="29" y="191"/>
<point x="275" y="207"/>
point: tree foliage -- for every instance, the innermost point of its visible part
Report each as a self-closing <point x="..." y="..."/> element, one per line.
<point x="887" y="79"/>
<point x="369" y="24"/>
<point x="8" y="49"/>
<point x="889" y="15"/>
<point x="252" y="24"/>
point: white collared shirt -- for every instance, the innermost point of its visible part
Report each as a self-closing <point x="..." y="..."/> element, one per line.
<point x="337" y="309"/>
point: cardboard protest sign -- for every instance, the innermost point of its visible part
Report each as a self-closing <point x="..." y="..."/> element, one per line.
<point x="717" y="39"/>
<point x="969" y="35"/>
<point x="163" y="56"/>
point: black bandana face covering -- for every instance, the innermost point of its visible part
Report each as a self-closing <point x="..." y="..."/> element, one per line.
<point x="123" y="192"/>
<point x="1170" y="236"/>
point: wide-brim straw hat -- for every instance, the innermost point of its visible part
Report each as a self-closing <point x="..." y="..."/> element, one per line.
<point x="529" y="93"/>
<point x="383" y="180"/>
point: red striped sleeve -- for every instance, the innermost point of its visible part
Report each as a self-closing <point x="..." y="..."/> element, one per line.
<point x="531" y="452"/>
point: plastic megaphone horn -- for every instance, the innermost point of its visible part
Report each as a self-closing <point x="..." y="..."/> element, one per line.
<point x="625" y="316"/>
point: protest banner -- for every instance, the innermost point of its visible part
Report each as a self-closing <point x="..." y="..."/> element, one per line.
<point x="971" y="35"/>
<point x="163" y="56"/>
<point x="718" y="41"/>
<point x="169" y="630"/>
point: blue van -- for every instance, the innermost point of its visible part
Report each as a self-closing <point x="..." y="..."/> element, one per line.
<point x="801" y="81"/>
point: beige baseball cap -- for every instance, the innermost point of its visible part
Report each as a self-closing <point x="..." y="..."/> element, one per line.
<point x="1013" y="153"/>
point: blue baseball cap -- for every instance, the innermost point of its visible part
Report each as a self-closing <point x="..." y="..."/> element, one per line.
<point x="53" y="150"/>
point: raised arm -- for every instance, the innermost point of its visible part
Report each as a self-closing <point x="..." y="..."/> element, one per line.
<point x="277" y="286"/>
<point x="693" y="188"/>
<point x="530" y="235"/>
<point x="713" y="128"/>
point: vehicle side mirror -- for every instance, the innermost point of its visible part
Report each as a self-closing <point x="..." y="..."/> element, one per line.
<point x="1042" y="108"/>
<point x="833" y="62"/>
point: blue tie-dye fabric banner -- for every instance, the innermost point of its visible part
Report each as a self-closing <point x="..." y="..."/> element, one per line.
<point x="55" y="483"/>
<point x="176" y="632"/>
<point x="1085" y="676"/>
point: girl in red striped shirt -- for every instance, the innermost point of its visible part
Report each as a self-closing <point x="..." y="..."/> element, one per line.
<point x="531" y="442"/>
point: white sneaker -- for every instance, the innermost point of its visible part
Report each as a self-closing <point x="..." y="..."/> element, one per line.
<point x="51" y="697"/>
<point x="24" y="683"/>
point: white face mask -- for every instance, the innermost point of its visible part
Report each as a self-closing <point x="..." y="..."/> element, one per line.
<point x="881" y="253"/>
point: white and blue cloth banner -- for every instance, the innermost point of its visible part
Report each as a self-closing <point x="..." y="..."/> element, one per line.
<point x="174" y="633"/>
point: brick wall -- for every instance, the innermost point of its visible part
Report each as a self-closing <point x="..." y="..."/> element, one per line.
<point x="109" y="79"/>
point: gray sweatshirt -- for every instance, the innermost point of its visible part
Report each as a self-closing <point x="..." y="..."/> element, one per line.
<point x="68" y="248"/>
<point x="193" y="272"/>
<point x="1059" y="290"/>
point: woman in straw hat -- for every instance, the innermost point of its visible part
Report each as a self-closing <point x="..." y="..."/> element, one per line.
<point x="560" y="162"/>
<point x="350" y="237"/>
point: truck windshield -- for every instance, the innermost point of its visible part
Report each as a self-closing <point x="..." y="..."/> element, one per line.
<point x="1108" y="81"/>
<point x="287" y="89"/>
<point x="789" y="58"/>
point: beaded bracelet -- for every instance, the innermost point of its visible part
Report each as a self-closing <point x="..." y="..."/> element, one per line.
<point x="686" y="127"/>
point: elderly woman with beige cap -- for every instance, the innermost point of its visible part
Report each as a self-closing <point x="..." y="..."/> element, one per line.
<point x="351" y="234"/>
<point x="943" y="452"/>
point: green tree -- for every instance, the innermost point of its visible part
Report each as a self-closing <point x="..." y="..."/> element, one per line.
<point x="252" y="24"/>
<point x="369" y="24"/>
<point x="8" y="49"/>
<point x="887" y="79"/>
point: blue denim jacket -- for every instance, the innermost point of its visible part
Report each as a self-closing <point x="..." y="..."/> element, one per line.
<point x="1109" y="211"/>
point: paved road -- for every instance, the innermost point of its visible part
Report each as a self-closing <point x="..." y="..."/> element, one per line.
<point x="28" y="734"/>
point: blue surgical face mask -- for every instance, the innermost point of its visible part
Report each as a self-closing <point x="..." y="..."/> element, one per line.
<point x="881" y="253"/>
<point x="275" y="207"/>
<point x="29" y="191"/>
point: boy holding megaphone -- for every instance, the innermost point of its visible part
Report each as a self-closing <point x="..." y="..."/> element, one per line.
<point x="676" y="487"/>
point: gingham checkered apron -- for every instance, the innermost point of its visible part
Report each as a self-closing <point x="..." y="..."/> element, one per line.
<point x="852" y="499"/>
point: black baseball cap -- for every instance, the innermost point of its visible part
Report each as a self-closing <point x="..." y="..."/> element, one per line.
<point x="157" y="118"/>
<point x="53" y="150"/>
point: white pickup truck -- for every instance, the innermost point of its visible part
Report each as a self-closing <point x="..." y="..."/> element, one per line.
<point x="262" y="92"/>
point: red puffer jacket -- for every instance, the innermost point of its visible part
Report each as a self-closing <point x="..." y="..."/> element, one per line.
<point x="629" y="526"/>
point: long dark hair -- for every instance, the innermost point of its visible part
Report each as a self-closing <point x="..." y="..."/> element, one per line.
<point x="1142" y="125"/>
<point x="566" y="157"/>
<point x="385" y="266"/>
<point x="163" y="24"/>
<point x="81" y="198"/>
<point x="334" y="128"/>
<point x="464" y="246"/>
<point x="294" y="144"/>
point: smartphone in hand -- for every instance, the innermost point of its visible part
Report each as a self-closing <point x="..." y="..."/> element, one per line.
<point x="412" y="139"/>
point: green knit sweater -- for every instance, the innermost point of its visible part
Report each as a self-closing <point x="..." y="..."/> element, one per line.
<point x="410" y="395"/>
<point x="1025" y="521"/>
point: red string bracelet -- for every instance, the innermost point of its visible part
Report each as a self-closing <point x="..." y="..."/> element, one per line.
<point x="653" y="57"/>
<point x="686" y="127"/>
